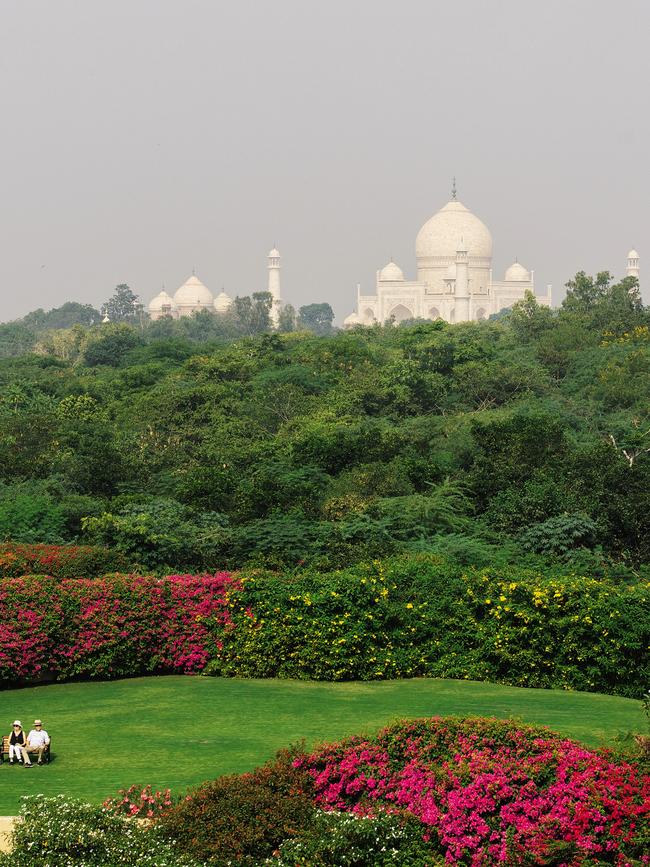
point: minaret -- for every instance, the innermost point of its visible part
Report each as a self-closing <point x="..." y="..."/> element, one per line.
<point x="274" y="285"/>
<point x="632" y="264"/>
<point x="462" y="283"/>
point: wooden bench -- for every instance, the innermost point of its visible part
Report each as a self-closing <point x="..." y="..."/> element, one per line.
<point x="4" y="751"/>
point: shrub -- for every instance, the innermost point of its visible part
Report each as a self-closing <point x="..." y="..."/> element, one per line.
<point x="59" y="561"/>
<point x="490" y="791"/>
<point x="419" y="617"/>
<point x="411" y="616"/>
<point x="59" y="832"/>
<point x="384" y="840"/>
<point x="560" y="535"/>
<point x="160" y="534"/>
<point x="242" y="818"/>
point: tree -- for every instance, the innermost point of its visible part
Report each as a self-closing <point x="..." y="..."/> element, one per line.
<point x="254" y="312"/>
<point x="317" y="318"/>
<point x="68" y="314"/>
<point x="111" y="344"/>
<point x="605" y="306"/>
<point x="529" y="319"/>
<point x="287" y="319"/>
<point x="123" y="305"/>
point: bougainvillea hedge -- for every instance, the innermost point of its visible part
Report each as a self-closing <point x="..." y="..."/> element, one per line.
<point x="59" y="561"/>
<point x="108" y="627"/>
<point x="407" y="617"/>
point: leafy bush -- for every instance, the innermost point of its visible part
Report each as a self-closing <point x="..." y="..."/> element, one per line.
<point x="489" y="791"/>
<point x="59" y="561"/>
<point x="60" y="832"/>
<point x="26" y="517"/>
<point x="242" y="818"/>
<point x="560" y="535"/>
<point x="338" y="839"/>
<point x="160" y="534"/>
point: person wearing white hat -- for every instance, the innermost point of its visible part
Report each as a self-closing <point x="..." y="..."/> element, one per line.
<point x="17" y="741"/>
<point x="37" y="740"/>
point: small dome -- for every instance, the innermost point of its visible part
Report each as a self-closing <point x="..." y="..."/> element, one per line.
<point x="633" y="254"/>
<point x="352" y="319"/>
<point x="193" y="293"/>
<point x="274" y="253"/>
<point x="442" y="233"/>
<point x="223" y="302"/>
<point x="516" y="273"/>
<point x="391" y="272"/>
<point x="161" y="300"/>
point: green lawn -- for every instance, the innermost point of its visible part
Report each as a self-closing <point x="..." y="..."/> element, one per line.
<point x="175" y="731"/>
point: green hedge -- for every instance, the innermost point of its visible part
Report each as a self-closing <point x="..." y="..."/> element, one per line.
<point x="417" y="617"/>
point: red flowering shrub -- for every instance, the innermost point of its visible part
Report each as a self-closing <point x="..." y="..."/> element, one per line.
<point x="488" y="791"/>
<point x="59" y="561"/>
<point x="242" y="818"/>
<point x="109" y="627"/>
<point x="140" y="801"/>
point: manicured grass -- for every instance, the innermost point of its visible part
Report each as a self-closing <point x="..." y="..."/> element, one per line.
<point x="176" y="731"/>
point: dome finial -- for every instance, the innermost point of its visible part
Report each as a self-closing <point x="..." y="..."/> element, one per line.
<point x="453" y="189"/>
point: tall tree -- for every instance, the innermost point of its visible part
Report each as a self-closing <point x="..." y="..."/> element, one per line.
<point x="317" y="318"/>
<point x="123" y="305"/>
<point x="287" y="319"/>
<point x="254" y="312"/>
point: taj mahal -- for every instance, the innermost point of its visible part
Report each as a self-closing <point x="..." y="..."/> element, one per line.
<point x="455" y="281"/>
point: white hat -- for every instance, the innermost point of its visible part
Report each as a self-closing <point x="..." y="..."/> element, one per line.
<point x="17" y="722"/>
<point x="37" y="722"/>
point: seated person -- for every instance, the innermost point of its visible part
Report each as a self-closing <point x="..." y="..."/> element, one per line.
<point x="37" y="740"/>
<point x="17" y="740"/>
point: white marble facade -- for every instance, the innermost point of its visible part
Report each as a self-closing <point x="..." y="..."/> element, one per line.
<point x="454" y="281"/>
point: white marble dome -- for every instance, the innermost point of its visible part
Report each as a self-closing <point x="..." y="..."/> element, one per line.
<point x="442" y="233"/>
<point x="391" y="272"/>
<point x="193" y="293"/>
<point x="161" y="300"/>
<point x="223" y="302"/>
<point x="633" y="254"/>
<point x="517" y="273"/>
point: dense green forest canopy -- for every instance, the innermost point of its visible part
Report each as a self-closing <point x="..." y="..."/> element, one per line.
<point x="203" y="442"/>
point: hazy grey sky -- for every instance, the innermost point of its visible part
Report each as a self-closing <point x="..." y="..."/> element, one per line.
<point x="141" y="138"/>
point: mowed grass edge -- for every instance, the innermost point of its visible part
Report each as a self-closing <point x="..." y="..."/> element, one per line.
<point x="178" y="731"/>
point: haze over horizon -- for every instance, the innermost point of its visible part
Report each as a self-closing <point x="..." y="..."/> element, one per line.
<point x="145" y="138"/>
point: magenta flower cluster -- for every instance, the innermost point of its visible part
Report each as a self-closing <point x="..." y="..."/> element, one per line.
<point x="109" y="627"/>
<point x="140" y="801"/>
<point x="490" y="792"/>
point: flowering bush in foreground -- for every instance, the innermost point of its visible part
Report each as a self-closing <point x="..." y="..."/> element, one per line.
<point x="490" y="792"/>
<point x="140" y="801"/>
<point x="60" y="832"/>
<point x="384" y="840"/>
<point x="115" y="626"/>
